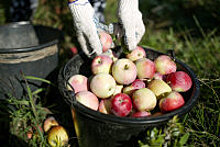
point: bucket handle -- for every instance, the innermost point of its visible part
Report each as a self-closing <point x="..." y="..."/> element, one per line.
<point x="171" y="53"/>
<point x="70" y="99"/>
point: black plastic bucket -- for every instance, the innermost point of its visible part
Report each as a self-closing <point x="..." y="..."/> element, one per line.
<point x="32" y="50"/>
<point x="95" y="129"/>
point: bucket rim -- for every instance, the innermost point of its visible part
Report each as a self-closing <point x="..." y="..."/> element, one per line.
<point x="108" y="118"/>
<point x="29" y="48"/>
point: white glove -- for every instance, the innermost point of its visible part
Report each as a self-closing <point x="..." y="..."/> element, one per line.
<point x="85" y="27"/>
<point x="131" y="19"/>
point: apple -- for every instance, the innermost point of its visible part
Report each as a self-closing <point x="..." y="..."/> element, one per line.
<point x="101" y="64"/>
<point x="49" y="123"/>
<point x="145" y="68"/>
<point x="171" y="102"/>
<point x="88" y="99"/>
<point x="159" y="88"/>
<point x="124" y="71"/>
<point x="30" y="133"/>
<point x="141" y="114"/>
<point x="78" y="82"/>
<point x="179" y="81"/>
<point x="106" y="41"/>
<point x="121" y="105"/>
<point x="157" y="75"/>
<point x="111" y="54"/>
<point x="136" y="54"/>
<point x="165" y="65"/>
<point x="118" y="89"/>
<point x="105" y="106"/>
<point x="144" y="99"/>
<point x="57" y="136"/>
<point x="137" y="84"/>
<point x="34" y="131"/>
<point x="103" y="85"/>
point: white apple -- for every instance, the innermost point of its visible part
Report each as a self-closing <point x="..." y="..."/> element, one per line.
<point x="78" y="82"/>
<point x="101" y="64"/>
<point x="88" y="99"/>
<point x="144" y="99"/>
<point x="136" y="54"/>
<point x="124" y="71"/>
<point x="103" y="85"/>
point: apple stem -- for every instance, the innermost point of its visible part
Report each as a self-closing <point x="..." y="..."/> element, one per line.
<point x="126" y="67"/>
<point x="99" y="61"/>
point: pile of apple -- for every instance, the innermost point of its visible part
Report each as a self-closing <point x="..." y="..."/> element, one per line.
<point x="132" y="86"/>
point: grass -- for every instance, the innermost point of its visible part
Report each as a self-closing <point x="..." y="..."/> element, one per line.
<point x="195" y="41"/>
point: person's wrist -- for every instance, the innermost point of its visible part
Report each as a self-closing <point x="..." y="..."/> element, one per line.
<point x="78" y="2"/>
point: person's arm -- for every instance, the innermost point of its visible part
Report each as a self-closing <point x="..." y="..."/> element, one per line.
<point x="131" y="19"/>
<point x="85" y="27"/>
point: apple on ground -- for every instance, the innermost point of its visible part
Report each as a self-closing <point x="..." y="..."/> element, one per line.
<point x="33" y="130"/>
<point x="30" y="133"/>
<point x="165" y="65"/>
<point x="141" y="114"/>
<point x="105" y="106"/>
<point x="124" y="71"/>
<point x="121" y="105"/>
<point x="88" y="99"/>
<point x="49" y="123"/>
<point x="145" y="68"/>
<point x="179" y="81"/>
<point x="144" y="99"/>
<point x="103" y="85"/>
<point x="136" y="54"/>
<point x="101" y="64"/>
<point x="159" y="88"/>
<point x="78" y="83"/>
<point x="137" y="84"/>
<point x="171" y="102"/>
<point x="57" y="136"/>
<point x="106" y="41"/>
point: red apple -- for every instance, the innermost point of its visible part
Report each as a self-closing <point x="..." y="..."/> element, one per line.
<point x="103" y="85"/>
<point x="136" y="54"/>
<point x="171" y="102"/>
<point x="121" y="105"/>
<point x="101" y="64"/>
<point x="88" y="99"/>
<point x="141" y="114"/>
<point x="49" y="123"/>
<point x="105" y="106"/>
<point x="78" y="82"/>
<point x="144" y="99"/>
<point x="145" y="68"/>
<point x="124" y="71"/>
<point x="106" y="41"/>
<point x="57" y="136"/>
<point x="137" y="84"/>
<point x="159" y="88"/>
<point x="165" y="65"/>
<point x="179" y="81"/>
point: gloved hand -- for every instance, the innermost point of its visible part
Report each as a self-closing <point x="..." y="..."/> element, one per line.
<point x="131" y="19"/>
<point x="85" y="27"/>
